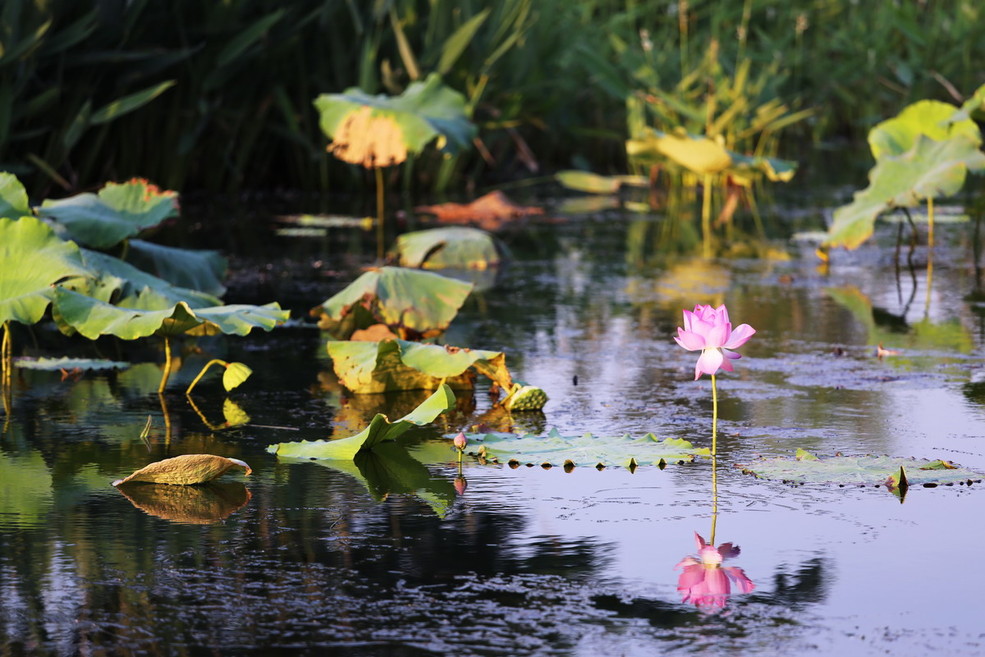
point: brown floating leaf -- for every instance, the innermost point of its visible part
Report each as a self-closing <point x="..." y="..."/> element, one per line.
<point x="489" y="212"/>
<point x="197" y="505"/>
<point x="185" y="470"/>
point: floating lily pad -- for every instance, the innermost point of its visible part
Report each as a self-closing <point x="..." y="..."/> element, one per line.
<point x="412" y="302"/>
<point x="118" y="211"/>
<point x="593" y="183"/>
<point x="380" y="430"/>
<point x="68" y="364"/>
<point x="859" y="470"/>
<point x="583" y="451"/>
<point x="390" y="365"/>
<point x="185" y="470"/>
<point x="451" y="247"/>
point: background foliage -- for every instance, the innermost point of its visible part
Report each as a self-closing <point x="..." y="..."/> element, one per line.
<point x="217" y="95"/>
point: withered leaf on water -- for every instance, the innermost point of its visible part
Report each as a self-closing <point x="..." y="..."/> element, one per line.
<point x="185" y="470"/>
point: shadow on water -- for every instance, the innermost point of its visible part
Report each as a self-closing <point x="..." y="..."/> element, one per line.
<point x="304" y="559"/>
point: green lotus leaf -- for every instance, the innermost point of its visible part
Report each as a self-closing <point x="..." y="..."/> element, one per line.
<point x="13" y="197"/>
<point x="421" y="302"/>
<point x="391" y="365"/>
<point x="32" y="260"/>
<point x="859" y="470"/>
<point x="389" y="469"/>
<point x="593" y="183"/>
<point x="119" y="211"/>
<point x="380" y="430"/>
<point x="452" y="247"/>
<point x="930" y="169"/>
<point x="92" y="317"/>
<point x="235" y="375"/>
<point x="68" y="364"/>
<point x="185" y="268"/>
<point x="117" y="278"/>
<point x="973" y="108"/>
<point x="381" y="130"/>
<point x="775" y="169"/>
<point x="930" y="118"/>
<point x="583" y="451"/>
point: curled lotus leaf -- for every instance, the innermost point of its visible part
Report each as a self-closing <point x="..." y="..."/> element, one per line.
<point x="235" y="375"/>
<point x="118" y="211"/>
<point x="185" y="470"/>
<point x="390" y="365"/>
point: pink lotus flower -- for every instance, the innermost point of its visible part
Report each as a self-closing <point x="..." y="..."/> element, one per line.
<point x="710" y="330"/>
<point x="460" y="441"/>
<point x="704" y="582"/>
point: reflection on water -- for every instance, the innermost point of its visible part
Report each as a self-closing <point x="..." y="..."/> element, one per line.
<point x="393" y="557"/>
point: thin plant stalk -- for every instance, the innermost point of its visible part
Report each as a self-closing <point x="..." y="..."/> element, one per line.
<point x="6" y="353"/>
<point x="167" y="366"/>
<point x="214" y="361"/>
<point x="706" y="216"/>
<point x="930" y="251"/>
<point x="379" y="212"/>
<point x="714" y="416"/>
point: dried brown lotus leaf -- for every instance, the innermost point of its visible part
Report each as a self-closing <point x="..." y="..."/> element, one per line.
<point x="185" y="470"/>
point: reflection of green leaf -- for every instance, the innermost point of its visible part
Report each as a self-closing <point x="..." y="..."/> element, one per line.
<point x="450" y="247"/>
<point x="25" y="489"/>
<point x="586" y="450"/>
<point x="234" y="415"/>
<point x="417" y="300"/>
<point x="389" y="365"/>
<point x="864" y="470"/>
<point x="119" y="211"/>
<point x="32" y="259"/>
<point x="93" y="318"/>
<point x="389" y="469"/>
<point x="380" y="429"/>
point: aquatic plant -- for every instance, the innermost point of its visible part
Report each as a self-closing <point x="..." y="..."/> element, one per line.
<point x="460" y="442"/>
<point x="704" y="582"/>
<point x="709" y="329"/>
<point x="185" y="470"/>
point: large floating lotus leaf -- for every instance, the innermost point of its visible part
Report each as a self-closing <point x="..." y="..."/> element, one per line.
<point x="32" y="260"/>
<point x="185" y="470"/>
<point x="411" y="300"/>
<point x="93" y="318"/>
<point x="593" y="183"/>
<point x="389" y="469"/>
<point x="928" y="170"/>
<point x="379" y="131"/>
<point x="13" y="197"/>
<point x="587" y="450"/>
<point x="380" y="430"/>
<point x="119" y="211"/>
<point x="859" y="470"/>
<point x="391" y="365"/>
<point x="69" y="364"/>
<point x="196" y="505"/>
<point x="451" y="247"/>
<point x="931" y="118"/>
<point x="184" y="268"/>
<point x="117" y="278"/>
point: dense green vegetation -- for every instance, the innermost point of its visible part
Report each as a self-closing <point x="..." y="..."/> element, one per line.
<point x="218" y="96"/>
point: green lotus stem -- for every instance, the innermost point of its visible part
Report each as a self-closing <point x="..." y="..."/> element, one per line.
<point x="167" y="366"/>
<point x="706" y="216"/>
<point x="714" y="497"/>
<point x="714" y="416"/>
<point x="214" y="361"/>
<point x="379" y="212"/>
<point x="6" y="357"/>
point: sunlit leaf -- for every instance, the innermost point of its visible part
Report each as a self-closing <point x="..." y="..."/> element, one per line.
<point x="119" y="211"/>
<point x="451" y="247"/>
<point x="698" y="154"/>
<point x="390" y="365"/>
<point x="196" y="505"/>
<point x="593" y="183"/>
<point x="860" y="470"/>
<point x="583" y="451"/>
<point x="185" y="470"/>
<point x="380" y="429"/>
<point x="32" y="260"/>
<point x="379" y="131"/>
<point x="235" y="375"/>
<point x="416" y="301"/>
<point x="973" y="108"/>
<point x="931" y="118"/>
<point x="13" y="197"/>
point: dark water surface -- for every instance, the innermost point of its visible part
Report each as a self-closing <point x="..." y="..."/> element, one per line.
<point x="300" y="558"/>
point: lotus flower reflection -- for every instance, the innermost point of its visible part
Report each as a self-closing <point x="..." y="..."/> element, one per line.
<point x="710" y="330"/>
<point x="704" y="582"/>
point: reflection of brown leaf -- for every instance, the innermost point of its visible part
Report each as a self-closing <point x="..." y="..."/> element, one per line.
<point x="199" y="505"/>
<point x="374" y="333"/>
<point x="489" y="212"/>
<point x="185" y="470"/>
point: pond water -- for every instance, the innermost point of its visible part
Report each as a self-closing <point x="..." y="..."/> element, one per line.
<point x="301" y="558"/>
